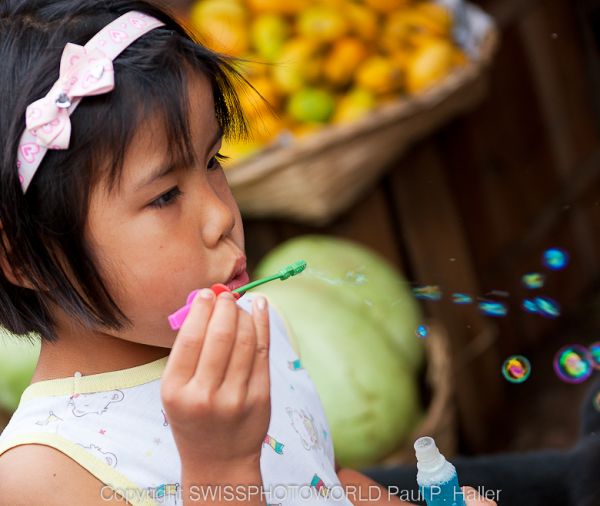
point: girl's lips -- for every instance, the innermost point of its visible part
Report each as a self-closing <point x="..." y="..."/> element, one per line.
<point x="240" y="280"/>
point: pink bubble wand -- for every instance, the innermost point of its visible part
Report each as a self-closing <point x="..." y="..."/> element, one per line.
<point x="178" y="317"/>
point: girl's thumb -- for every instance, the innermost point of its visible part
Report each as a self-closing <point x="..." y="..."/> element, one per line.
<point x="472" y="498"/>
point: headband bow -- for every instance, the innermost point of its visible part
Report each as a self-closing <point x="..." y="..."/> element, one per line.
<point x="82" y="74"/>
<point x="84" y="71"/>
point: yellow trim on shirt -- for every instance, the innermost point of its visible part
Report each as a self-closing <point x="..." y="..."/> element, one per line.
<point x="106" y="474"/>
<point x="123" y="378"/>
<point x="101" y="382"/>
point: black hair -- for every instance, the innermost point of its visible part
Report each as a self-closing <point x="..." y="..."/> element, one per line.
<point x="44" y="229"/>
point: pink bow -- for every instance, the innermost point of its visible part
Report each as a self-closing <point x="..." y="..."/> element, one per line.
<point x="82" y="73"/>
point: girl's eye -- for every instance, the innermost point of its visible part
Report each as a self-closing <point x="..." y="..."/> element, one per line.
<point x="168" y="198"/>
<point x="215" y="162"/>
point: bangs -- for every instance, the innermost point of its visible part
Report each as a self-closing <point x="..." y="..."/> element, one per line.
<point x="159" y="87"/>
<point x="47" y="225"/>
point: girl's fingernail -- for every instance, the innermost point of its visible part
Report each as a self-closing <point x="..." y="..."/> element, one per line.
<point x="226" y="295"/>
<point x="206" y="293"/>
<point x="261" y="303"/>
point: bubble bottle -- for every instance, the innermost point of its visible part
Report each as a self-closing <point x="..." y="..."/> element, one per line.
<point x="436" y="477"/>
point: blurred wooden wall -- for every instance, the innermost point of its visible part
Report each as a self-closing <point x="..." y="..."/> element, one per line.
<point x="473" y="207"/>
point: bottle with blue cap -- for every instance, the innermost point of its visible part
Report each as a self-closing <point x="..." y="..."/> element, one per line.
<point x="436" y="477"/>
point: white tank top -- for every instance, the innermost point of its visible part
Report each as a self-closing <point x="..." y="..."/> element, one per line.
<point x="113" y="424"/>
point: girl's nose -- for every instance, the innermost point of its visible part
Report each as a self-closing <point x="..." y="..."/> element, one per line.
<point x="218" y="218"/>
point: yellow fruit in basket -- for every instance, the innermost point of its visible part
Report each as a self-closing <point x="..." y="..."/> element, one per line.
<point x="277" y="6"/>
<point x="225" y="36"/>
<point x="344" y="58"/>
<point x="311" y="105"/>
<point x="354" y="105"/>
<point x="362" y="20"/>
<point x="252" y="103"/>
<point x="297" y="65"/>
<point x="266" y="88"/>
<point x="268" y="34"/>
<point x="435" y="18"/>
<point x="380" y="75"/>
<point x="387" y="6"/>
<point x="401" y="56"/>
<point x="322" y="23"/>
<point x="265" y="126"/>
<point x="205" y="11"/>
<point x="428" y="64"/>
<point x="237" y="150"/>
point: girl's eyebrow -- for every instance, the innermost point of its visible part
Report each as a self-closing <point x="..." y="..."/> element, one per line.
<point x="166" y="169"/>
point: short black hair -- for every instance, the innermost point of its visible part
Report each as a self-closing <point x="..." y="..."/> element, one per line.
<point x="44" y="229"/>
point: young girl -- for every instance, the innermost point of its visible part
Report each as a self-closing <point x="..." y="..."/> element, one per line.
<point x="113" y="208"/>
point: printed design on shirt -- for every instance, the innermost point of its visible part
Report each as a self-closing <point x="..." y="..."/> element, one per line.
<point x="108" y="457"/>
<point x="51" y="418"/>
<point x="304" y="425"/>
<point x="273" y="443"/>
<point x="295" y="365"/>
<point x="95" y="403"/>
<point x="164" y="490"/>
<point x="165" y="421"/>
<point x="319" y="484"/>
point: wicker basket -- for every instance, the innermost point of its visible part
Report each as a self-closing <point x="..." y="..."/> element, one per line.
<point x="317" y="177"/>
<point x="439" y="421"/>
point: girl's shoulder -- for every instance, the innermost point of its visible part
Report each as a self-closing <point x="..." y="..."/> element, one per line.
<point x="38" y="474"/>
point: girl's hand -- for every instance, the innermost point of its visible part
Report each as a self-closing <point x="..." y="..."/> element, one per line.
<point x="472" y="498"/>
<point x="215" y="387"/>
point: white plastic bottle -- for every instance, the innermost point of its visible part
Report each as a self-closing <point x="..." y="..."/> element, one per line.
<point x="436" y="477"/>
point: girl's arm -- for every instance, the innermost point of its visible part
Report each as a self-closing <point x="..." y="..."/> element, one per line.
<point x="216" y="393"/>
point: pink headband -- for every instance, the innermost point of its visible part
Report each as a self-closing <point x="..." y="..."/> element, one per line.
<point x="84" y="71"/>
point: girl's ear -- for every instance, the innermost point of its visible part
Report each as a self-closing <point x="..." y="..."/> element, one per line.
<point x="14" y="277"/>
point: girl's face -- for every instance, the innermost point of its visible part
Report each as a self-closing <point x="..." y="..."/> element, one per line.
<point x="159" y="238"/>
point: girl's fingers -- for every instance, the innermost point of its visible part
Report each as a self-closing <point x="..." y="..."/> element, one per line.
<point x="472" y="498"/>
<point x="260" y="379"/>
<point x="218" y="344"/>
<point x="242" y="356"/>
<point x="187" y="347"/>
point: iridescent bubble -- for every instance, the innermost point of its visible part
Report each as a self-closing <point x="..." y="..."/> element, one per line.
<point x="493" y="308"/>
<point x="461" y="298"/>
<point x="422" y="331"/>
<point x="555" y="259"/>
<point x="594" y="355"/>
<point x="357" y="278"/>
<point x="516" y="369"/>
<point x="547" y="307"/>
<point x="427" y="292"/>
<point x="530" y="306"/>
<point x="571" y="364"/>
<point x="533" y="280"/>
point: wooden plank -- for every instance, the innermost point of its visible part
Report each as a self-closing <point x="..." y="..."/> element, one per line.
<point x="440" y="255"/>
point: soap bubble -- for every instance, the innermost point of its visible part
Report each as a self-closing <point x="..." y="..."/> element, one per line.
<point x="461" y="298"/>
<point x="530" y="306"/>
<point x="594" y="355"/>
<point x="555" y="259"/>
<point x="493" y="308"/>
<point x="422" y="331"/>
<point x="427" y="292"/>
<point x="571" y="364"/>
<point x="547" y="307"/>
<point x="358" y="278"/>
<point x="516" y="369"/>
<point x="533" y="280"/>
